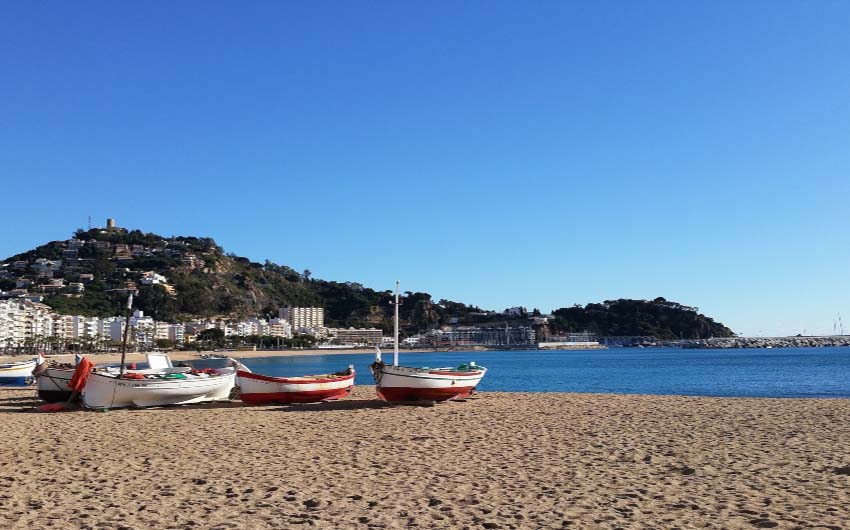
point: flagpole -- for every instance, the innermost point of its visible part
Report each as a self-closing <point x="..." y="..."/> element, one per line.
<point x="126" y="333"/>
<point x="395" y="328"/>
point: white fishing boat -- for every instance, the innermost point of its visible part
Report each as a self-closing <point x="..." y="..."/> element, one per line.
<point x="107" y="389"/>
<point x="53" y="382"/>
<point x="161" y="384"/>
<point x="17" y="374"/>
<point x="404" y="383"/>
<point x="395" y="383"/>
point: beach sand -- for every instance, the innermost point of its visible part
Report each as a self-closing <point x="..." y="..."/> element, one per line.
<point x="499" y="460"/>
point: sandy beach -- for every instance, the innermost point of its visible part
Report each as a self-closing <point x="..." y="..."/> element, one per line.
<point x="499" y="460"/>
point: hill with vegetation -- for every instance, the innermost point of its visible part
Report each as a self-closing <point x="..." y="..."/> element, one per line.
<point x="99" y="267"/>
<point x="657" y="318"/>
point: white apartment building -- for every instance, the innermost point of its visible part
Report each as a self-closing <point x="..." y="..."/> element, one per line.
<point x="243" y="329"/>
<point x="46" y="266"/>
<point x="177" y="333"/>
<point x="256" y="326"/>
<point x="357" y="336"/>
<point x="105" y="328"/>
<point x="143" y="328"/>
<point x="63" y="326"/>
<point x="116" y="329"/>
<point x="85" y="327"/>
<point x="21" y="320"/>
<point x="41" y="320"/>
<point x="301" y="318"/>
<point x="153" y="278"/>
<point x="162" y="331"/>
<point x="280" y="327"/>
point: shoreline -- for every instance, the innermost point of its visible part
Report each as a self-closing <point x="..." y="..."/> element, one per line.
<point x="185" y="355"/>
<point x="178" y="355"/>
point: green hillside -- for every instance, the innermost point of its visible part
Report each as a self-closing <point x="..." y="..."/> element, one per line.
<point x="202" y="281"/>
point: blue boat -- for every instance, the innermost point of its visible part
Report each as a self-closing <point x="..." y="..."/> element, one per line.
<point x="17" y="374"/>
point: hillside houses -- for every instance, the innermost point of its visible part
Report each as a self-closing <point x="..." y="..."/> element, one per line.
<point x="65" y="268"/>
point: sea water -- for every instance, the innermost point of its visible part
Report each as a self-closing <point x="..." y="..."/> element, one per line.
<point x="786" y="372"/>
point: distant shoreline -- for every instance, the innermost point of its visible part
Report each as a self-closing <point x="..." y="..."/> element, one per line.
<point x="236" y="354"/>
<point x="180" y="355"/>
<point x="708" y="344"/>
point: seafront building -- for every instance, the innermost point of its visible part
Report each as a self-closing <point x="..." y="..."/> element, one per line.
<point x="357" y="337"/>
<point x="303" y="318"/>
<point x="23" y="321"/>
<point x="280" y="327"/>
<point x="506" y="335"/>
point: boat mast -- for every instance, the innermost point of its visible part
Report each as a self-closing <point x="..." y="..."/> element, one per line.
<point x="126" y="333"/>
<point x="395" y="327"/>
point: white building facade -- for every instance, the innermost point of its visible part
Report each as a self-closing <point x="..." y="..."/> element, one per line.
<point x="302" y="318"/>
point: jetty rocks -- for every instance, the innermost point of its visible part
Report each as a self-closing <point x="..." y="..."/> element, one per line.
<point x="770" y="342"/>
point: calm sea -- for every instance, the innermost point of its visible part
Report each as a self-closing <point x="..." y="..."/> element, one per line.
<point x="788" y="372"/>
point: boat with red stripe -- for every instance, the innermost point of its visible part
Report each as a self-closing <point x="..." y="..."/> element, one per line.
<point x="399" y="384"/>
<point x="258" y="389"/>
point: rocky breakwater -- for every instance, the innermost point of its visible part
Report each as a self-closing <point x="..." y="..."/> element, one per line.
<point x="769" y="342"/>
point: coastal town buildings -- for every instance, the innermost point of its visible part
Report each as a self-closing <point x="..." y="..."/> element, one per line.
<point x="506" y="335"/>
<point x="22" y="321"/>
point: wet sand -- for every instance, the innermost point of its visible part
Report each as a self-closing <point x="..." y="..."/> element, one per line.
<point x="500" y="460"/>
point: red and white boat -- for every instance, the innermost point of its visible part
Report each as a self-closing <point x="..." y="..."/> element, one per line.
<point x="258" y="389"/>
<point x="403" y="383"/>
<point x="397" y="384"/>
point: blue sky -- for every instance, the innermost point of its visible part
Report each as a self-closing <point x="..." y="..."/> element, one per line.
<point x="539" y="154"/>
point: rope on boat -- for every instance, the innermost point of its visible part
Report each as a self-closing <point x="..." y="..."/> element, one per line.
<point x="52" y="380"/>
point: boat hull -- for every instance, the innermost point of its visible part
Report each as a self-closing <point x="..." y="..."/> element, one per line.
<point x="258" y="389"/>
<point x="108" y="391"/>
<point x="53" y="384"/>
<point x="17" y="374"/>
<point x="403" y="384"/>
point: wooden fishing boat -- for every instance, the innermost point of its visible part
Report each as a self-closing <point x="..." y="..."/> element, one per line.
<point x="17" y="374"/>
<point x="107" y="389"/>
<point x="53" y="382"/>
<point x="258" y="389"/>
<point x="162" y="384"/>
<point x="404" y="383"/>
<point x="397" y="384"/>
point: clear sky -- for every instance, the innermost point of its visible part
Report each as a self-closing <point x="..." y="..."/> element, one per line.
<point x="519" y="153"/>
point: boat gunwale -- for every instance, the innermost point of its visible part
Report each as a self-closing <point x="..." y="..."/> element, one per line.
<point x="421" y="372"/>
<point x="142" y="383"/>
<point x="302" y="380"/>
<point x="18" y="365"/>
